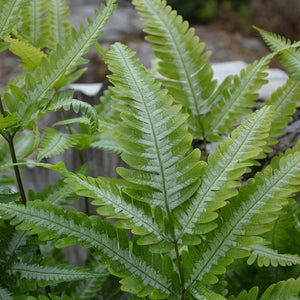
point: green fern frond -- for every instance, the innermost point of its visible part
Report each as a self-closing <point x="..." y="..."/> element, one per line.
<point x="161" y="148"/>
<point x="244" y="295"/>
<point x="64" y="61"/>
<point x="7" y="121"/>
<point x="7" y="195"/>
<point x="33" y="25"/>
<point x="180" y="53"/>
<point x="229" y="162"/>
<point x="245" y="217"/>
<point x="50" y="273"/>
<point x="30" y="56"/>
<point x="9" y="15"/>
<point x="266" y="256"/>
<point x="144" y="273"/>
<point x="66" y="101"/>
<point x="5" y="294"/>
<point x="288" y="55"/>
<point x="106" y="137"/>
<point x="200" y="292"/>
<point x="284" y="102"/>
<point x="283" y="290"/>
<point x="88" y="289"/>
<point x="108" y="194"/>
<point x="57" y="194"/>
<point x="59" y="25"/>
<point x="55" y="142"/>
<point x="237" y="99"/>
<point x="104" y="109"/>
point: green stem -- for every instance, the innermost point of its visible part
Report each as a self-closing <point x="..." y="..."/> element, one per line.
<point x="9" y="138"/>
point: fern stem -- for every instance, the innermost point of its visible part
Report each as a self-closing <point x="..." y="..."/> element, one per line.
<point x="9" y="138"/>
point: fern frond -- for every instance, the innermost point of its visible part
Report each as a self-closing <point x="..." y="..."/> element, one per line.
<point x="88" y="289"/>
<point x="283" y="290"/>
<point x="59" y="25"/>
<point x="5" y="294"/>
<point x="200" y="292"/>
<point x="182" y="61"/>
<point x="161" y="149"/>
<point x="30" y="56"/>
<point x="50" y="273"/>
<point x="58" y="194"/>
<point x="33" y="25"/>
<point x="237" y="99"/>
<point x="284" y="102"/>
<point x="245" y="217"/>
<point x="63" y="61"/>
<point x="229" y="162"/>
<point x="115" y="204"/>
<point x="9" y="15"/>
<point x="266" y="256"/>
<point x="144" y="273"/>
<point x="55" y="142"/>
<point x="7" y="121"/>
<point x="288" y="55"/>
<point x="66" y="101"/>
<point x="7" y="195"/>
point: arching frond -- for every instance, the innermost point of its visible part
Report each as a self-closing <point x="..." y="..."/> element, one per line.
<point x="50" y="273"/>
<point x="55" y="142"/>
<point x="161" y="150"/>
<point x="237" y="99"/>
<point x="66" y="101"/>
<point x="182" y="61"/>
<point x="245" y="217"/>
<point x="33" y="25"/>
<point x="115" y="204"/>
<point x="229" y="162"/>
<point x="289" y="56"/>
<point x="265" y="256"/>
<point x="144" y="273"/>
<point x="9" y="15"/>
<point x="60" y="26"/>
<point x="284" y="100"/>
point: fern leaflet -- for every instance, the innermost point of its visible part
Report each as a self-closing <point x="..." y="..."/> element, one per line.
<point x="266" y="256"/>
<point x="5" y="294"/>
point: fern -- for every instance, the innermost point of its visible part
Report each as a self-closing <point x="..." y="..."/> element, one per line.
<point x="5" y="294"/>
<point x="55" y="142"/>
<point x="50" y="273"/>
<point x="30" y="56"/>
<point x="148" y="113"/>
<point x="33" y="25"/>
<point x="266" y="256"/>
<point x="289" y="56"/>
<point x="229" y="162"/>
<point x="60" y="25"/>
<point x="236" y="99"/>
<point x="71" y="227"/>
<point x="189" y="78"/>
<point x="283" y="101"/>
<point x="9" y="12"/>
<point x="247" y="215"/>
